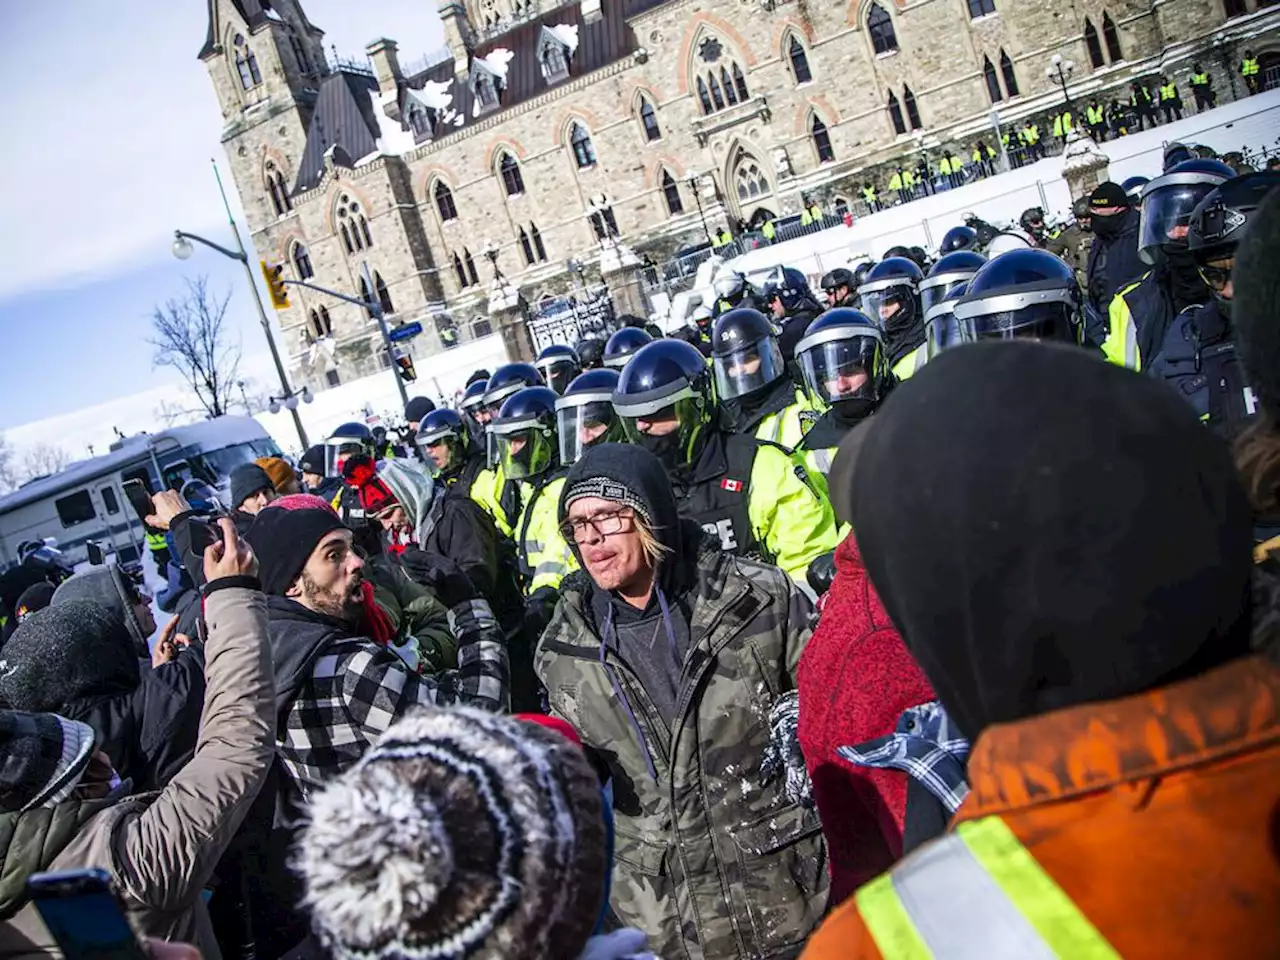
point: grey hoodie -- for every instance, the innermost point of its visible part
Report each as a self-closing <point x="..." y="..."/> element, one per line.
<point x="108" y="587"/>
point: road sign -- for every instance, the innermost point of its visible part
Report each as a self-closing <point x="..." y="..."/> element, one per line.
<point x="406" y="331"/>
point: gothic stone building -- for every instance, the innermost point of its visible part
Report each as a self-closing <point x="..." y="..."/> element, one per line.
<point x="548" y="128"/>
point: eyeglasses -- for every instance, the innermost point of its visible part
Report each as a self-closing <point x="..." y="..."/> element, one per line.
<point x="574" y="530"/>
<point x="1215" y="277"/>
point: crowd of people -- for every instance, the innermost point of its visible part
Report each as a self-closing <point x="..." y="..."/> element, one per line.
<point x="934" y="615"/>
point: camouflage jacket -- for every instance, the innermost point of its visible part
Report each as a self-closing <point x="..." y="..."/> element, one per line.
<point x="708" y="861"/>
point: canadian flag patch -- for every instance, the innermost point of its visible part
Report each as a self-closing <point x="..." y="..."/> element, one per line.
<point x="733" y="486"/>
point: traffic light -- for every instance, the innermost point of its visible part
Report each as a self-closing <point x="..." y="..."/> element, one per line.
<point x="404" y="366"/>
<point x="273" y="273"/>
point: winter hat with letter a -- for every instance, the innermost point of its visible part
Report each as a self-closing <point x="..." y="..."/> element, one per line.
<point x="459" y="834"/>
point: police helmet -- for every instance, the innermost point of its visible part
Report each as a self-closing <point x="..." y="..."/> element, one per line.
<point x="666" y="375"/>
<point x="702" y="318"/>
<point x="730" y="285"/>
<point x="443" y="439"/>
<point x="919" y="256"/>
<point x="898" y="250"/>
<point x="558" y="365"/>
<point x="623" y="345"/>
<point x="473" y="396"/>
<point x="788" y="285"/>
<point x="1134" y="186"/>
<point x="1220" y="221"/>
<point x="745" y="355"/>
<point x="839" y="277"/>
<point x="860" y="273"/>
<point x="1005" y="242"/>
<point x="941" y="331"/>
<point x="958" y="238"/>
<point x="1176" y="153"/>
<point x="506" y="380"/>
<point x="585" y="414"/>
<point x="1024" y="293"/>
<point x="952" y="269"/>
<point x="1032" y="220"/>
<point x="686" y="332"/>
<point x="1167" y="202"/>
<point x="890" y="295"/>
<point x="524" y="433"/>
<point x="590" y="353"/>
<point x="841" y="357"/>
<point x="348" y="440"/>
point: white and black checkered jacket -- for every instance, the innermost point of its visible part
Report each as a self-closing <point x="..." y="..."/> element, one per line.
<point x="337" y="693"/>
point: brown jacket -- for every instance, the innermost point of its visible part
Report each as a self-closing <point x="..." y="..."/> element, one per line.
<point x="161" y="848"/>
<point x="1156" y="815"/>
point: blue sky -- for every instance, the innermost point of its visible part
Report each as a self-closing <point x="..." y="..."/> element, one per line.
<point x="112" y="122"/>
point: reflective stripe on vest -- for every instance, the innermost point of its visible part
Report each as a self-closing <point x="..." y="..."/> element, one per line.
<point x="822" y="459"/>
<point x="155" y="542"/>
<point x="977" y="893"/>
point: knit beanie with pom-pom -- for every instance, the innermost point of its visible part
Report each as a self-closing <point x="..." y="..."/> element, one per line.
<point x="460" y="833"/>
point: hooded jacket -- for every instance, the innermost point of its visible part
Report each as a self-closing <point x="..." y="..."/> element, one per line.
<point x="108" y="587"/>
<point x="709" y="862"/>
<point x="1125" y="767"/>
<point x="161" y="849"/>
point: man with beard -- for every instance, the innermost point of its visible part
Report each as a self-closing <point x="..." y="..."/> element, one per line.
<point x="337" y="687"/>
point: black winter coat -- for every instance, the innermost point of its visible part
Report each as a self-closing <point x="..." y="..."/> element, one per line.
<point x="1113" y="262"/>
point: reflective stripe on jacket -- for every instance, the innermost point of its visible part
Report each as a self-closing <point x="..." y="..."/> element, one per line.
<point x="910" y="365"/>
<point x="545" y="558"/>
<point x="1121" y="345"/>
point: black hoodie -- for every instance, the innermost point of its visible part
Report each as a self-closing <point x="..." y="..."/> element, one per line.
<point x="1046" y="529"/>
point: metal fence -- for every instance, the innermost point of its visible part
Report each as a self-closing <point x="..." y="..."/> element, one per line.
<point x="571" y="318"/>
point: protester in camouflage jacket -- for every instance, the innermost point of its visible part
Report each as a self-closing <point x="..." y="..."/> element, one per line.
<point x="672" y="691"/>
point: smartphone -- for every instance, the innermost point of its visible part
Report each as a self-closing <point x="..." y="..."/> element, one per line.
<point x="97" y="555"/>
<point x="139" y="499"/>
<point x="83" y="915"/>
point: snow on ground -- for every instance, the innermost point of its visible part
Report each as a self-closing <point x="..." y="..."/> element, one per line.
<point x="440" y="377"/>
<point x="1241" y="125"/>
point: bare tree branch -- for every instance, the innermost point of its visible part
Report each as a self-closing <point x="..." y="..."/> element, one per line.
<point x="190" y="336"/>
<point x="9" y="479"/>
<point x="42" y="460"/>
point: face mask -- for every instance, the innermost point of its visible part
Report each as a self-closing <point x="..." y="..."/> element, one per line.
<point x="1106" y="226"/>
<point x="854" y="409"/>
<point x="666" y="448"/>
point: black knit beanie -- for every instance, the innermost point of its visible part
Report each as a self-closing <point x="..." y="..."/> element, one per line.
<point x="246" y="480"/>
<point x="417" y="409"/>
<point x="1255" y="307"/>
<point x="64" y="653"/>
<point x="312" y="461"/>
<point x="283" y="540"/>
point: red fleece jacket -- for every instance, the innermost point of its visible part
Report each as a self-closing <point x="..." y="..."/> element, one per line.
<point x="855" y="680"/>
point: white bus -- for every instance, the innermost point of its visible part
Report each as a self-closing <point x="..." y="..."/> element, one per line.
<point x="86" y="501"/>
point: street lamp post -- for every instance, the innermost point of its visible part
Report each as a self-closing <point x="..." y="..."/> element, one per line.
<point x="182" y="249"/>
<point x="697" y="198"/>
<point x="1059" y="71"/>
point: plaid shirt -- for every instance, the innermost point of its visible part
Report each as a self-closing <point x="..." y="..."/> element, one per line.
<point x="358" y="689"/>
<point x="926" y="747"/>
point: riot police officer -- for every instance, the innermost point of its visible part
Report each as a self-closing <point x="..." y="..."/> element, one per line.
<point x="750" y="493"/>
<point x="347" y="450"/>
<point x="1133" y="188"/>
<point x="501" y="496"/>
<point x="472" y="409"/>
<point x="590" y="351"/>
<point x="890" y="296"/>
<point x="786" y="296"/>
<point x="840" y="286"/>
<point x="702" y="321"/>
<point x="1198" y="357"/>
<point x="1141" y="313"/>
<point x="445" y="444"/>
<point x="558" y="365"/>
<point x="1022" y="294"/>
<point x="949" y="272"/>
<point x="732" y="290"/>
<point x="757" y="396"/>
<point x="585" y="414"/>
<point x="940" y="329"/>
<point x="623" y="345"/>
<point x="844" y="368"/>
<point x="958" y="238"/>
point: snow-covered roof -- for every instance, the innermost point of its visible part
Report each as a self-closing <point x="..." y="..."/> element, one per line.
<point x="564" y="33"/>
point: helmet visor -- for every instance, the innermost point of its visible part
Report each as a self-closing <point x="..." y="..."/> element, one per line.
<point x="943" y="331"/>
<point x="888" y="306"/>
<point x="439" y="451"/>
<point x="1166" y="215"/>
<point x="843" y="369"/>
<point x="585" y="425"/>
<point x="934" y="290"/>
<point x="559" y="374"/>
<point x="524" y="453"/>
<point x="748" y="368"/>
<point x="337" y="451"/>
<point x="687" y="415"/>
<point x="1038" y="321"/>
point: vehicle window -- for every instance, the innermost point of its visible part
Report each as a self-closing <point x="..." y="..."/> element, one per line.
<point x="214" y="466"/>
<point x="109" y="500"/>
<point x="77" y="508"/>
<point x="141" y="473"/>
<point x="265" y="448"/>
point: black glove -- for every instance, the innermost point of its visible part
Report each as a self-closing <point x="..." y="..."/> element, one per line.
<point x="440" y="575"/>
<point x="821" y="572"/>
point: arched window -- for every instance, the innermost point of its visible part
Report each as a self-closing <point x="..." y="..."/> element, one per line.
<point x="299" y="51"/>
<point x="717" y="94"/>
<point x="246" y="64"/>
<point x="555" y="65"/>
<point x="1093" y="44"/>
<point x="584" y="155"/>
<point x="880" y="27"/>
<point x="649" y="120"/>
<point x="703" y="97"/>
<point x="799" y="60"/>
<point x="366" y="297"/>
<point x="730" y="94"/>
<point x="740" y="82"/>
<point x="384" y="297"/>
<point x="302" y="262"/>
<point x="895" y="115"/>
<point x="981" y="8"/>
<point x="723" y="83"/>
<point x="1010" y="77"/>
<point x="486" y="93"/>
<point x="821" y="140"/>
<point x="419" y="123"/>
<point x="444" y="201"/>
<point x="993" y="82"/>
<point x="471" y="266"/>
<point x="538" y="249"/>
<point x="1112" y="37"/>
<point x="750" y="180"/>
<point x="459" y="271"/>
<point x="671" y="194"/>
<point x="321" y="325"/>
<point x="526" y="247"/>
<point x="277" y="189"/>
<point x="909" y="101"/>
<point x="512" y="181"/>
<point x="352" y="225"/>
<point x="603" y="223"/>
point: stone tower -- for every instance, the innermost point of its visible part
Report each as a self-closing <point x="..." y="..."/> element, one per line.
<point x="266" y="61"/>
